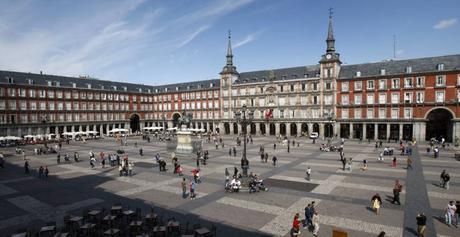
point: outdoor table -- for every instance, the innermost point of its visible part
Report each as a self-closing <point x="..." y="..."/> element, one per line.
<point x="116" y="210"/>
<point x="159" y="229"/>
<point x="47" y="229"/>
<point x="94" y="212"/>
<point x="88" y="227"/>
<point x="174" y="227"/>
<point x="76" y="218"/>
<point x="202" y="231"/>
<point x="112" y="232"/>
<point x="24" y="234"/>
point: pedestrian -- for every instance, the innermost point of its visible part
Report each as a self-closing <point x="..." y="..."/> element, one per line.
<point x="397" y="189"/>
<point x="344" y="163"/>
<point x="130" y="168"/>
<point x="450" y="212"/>
<point x="364" y="165"/>
<point x="262" y="157"/>
<point x="274" y="160"/>
<point x="235" y="172"/>
<point x="2" y="161"/>
<point x="295" y="230"/>
<point x="308" y="173"/>
<point x="421" y="224"/>
<point x="441" y="180"/>
<point x="457" y="213"/>
<point x="192" y="189"/>
<point x="46" y="172"/>
<point x="381" y="157"/>
<point x="227" y="174"/>
<point x="288" y="147"/>
<point x="376" y="203"/>
<point x="184" y="188"/>
<point x="58" y="158"/>
<point x="266" y="157"/>
<point x="382" y="234"/>
<point x="274" y="146"/>
<point x="230" y="152"/>
<point x="393" y="164"/>
<point x="234" y="150"/>
<point x="24" y="155"/>
<point x="446" y="181"/>
<point x="40" y="172"/>
<point x="103" y="162"/>
<point x="120" y="170"/>
<point x="308" y="216"/>
<point x="350" y="164"/>
<point x="26" y="167"/>
<point x="92" y="161"/>
<point x="409" y="163"/>
<point x="141" y="152"/>
<point x="315" y="222"/>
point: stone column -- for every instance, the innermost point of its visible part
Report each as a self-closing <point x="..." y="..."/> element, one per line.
<point x="388" y="131"/>
<point x="8" y="131"/>
<point x="299" y="129"/>
<point x="288" y="129"/>
<point x="364" y="130"/>
<point x="231" y="128"/>
<point x="101" y="130"/>
<point x="267" y="129"/>
<point x="73" y="128"/>
<point x="321" y="130"/>
<point x="277" y="129"/>
<point x="456" y="131"/>
<point x="401" y="131"/>
<point x="351" y="131"/>
<point x="240" y="128"/>
<point x="376" y="131"/>
<point x="257" y="128"/>
<point x="170" y="124"/>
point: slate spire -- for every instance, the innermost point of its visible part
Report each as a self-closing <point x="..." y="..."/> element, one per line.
<point x="330" y="35"/>
<point x="229" y="68"/>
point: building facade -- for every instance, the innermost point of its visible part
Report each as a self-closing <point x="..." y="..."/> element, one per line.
<point x="395" y="99"/>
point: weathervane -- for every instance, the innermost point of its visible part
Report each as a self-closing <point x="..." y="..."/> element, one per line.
<point x="330" y="12"/>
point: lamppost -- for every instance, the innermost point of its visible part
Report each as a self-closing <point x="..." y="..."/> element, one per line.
<point x="44" y="122"/>
<point x="163" y="118"/>
<point x="330" y="118"/>
<point x="244" y="118"/>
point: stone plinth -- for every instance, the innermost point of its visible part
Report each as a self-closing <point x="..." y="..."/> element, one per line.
<point x="184" y="141"/>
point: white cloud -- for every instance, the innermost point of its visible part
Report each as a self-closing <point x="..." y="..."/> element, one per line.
<point x="188" y="38"/>
<point x="444" y="24"/>
<point x="399" y="51"/>
<point x="248" y="39"/>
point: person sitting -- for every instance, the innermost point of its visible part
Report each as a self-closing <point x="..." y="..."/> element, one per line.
<point x="236" y="185"/>
<point x="253" y="186"/>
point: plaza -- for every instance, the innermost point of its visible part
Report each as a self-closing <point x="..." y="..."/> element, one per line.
<point x="342" y="197"/>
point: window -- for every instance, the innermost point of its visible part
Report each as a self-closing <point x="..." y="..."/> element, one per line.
<point x="281" y="88"/>
<point x="408" y="82"/>
<point x="439" y="96"/>
<point x="382" y="72"/>
<point x="357" y="113"/>
<point x="358" y="74"/>
<point x="51" y="94"/>
<point x="395" y="83"/>
<point x="382" y="113"/>
<point x="407" y="112"/>
<point x="358" y="85"/>
<point x="420" y="96"/>
<point x="345" y="99"/>
<point x="458" y="95"/>
<point x="408" y="69"/>
<point x="370" y="113"/>
<point x="394" y="113"/>
<point x="344" y="86"/>
<point x="303" y="85"/>
<point x="12" y="92"/>
<point x="458" y="79"/>
<point x="382" y="84"/>
<point x="394" y="98"/>
<point x="345" y="113"/>
<point x="31" y="93"/>
<point x="33" y="105"/>
<point x="42" y="105"/>
<point x="382" y="98"/>
<point x="292" y="87"/>
<point x="440" y="80"/>
<point x="408" y="97"/>
<point x="370" y="99"/>
<point x="420" y="82"/>
<point x="358" y="99"/>
<point x="315" y="100"/>
<point x="328" y="99"/>
<point x="440" y="67"/>
<point x="303" y="100"/>
<point x="328" y="86"/>
<point x="22" y="92"/>
<point x="22" y="105"/>
<point x="315" y="86"/>
<point x="370" y="85"/>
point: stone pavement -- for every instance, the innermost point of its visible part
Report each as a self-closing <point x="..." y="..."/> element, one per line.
<point x="342" y="197"/>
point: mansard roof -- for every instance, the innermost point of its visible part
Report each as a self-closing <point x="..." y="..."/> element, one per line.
<point x="279" y="74"/>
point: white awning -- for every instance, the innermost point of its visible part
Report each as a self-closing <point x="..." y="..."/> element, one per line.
<point x="115" y="130"/>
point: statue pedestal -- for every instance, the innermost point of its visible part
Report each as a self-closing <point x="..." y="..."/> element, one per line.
<point x="184" y="141"/>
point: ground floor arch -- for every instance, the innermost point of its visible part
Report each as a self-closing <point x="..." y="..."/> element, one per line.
<point x="134" y="123"/>
<point x="293" y="129"/>
<point x="283" y="129"/>
<point x="262" y="129"/>
<point x="272" y="129"/>
<point x="328" y="130"/>
<point x="235" y="128"/>
<point x="316" y="127"/>
<point x="439" y="124"/>
<point x="175" y="119"/>
<point x="227" y="128"/>
<point x="304" y="128"/>
<point x="253" y="128"/>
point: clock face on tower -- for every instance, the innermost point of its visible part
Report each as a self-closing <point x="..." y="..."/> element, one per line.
<point x="328" y="56"/>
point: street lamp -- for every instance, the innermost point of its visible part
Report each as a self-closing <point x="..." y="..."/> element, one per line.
<point x="244" y="118"/>
<point x="163" y="118"/>
<point x="330" y="118"/>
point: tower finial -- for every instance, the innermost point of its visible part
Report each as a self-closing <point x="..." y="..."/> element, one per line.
<point x="330" y="34"/>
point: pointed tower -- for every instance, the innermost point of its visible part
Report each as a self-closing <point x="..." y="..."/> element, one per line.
<point x="229" y="68"/>
<point x="329" y="72"/>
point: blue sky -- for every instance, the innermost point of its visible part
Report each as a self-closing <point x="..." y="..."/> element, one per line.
<point x="159" y="42"/>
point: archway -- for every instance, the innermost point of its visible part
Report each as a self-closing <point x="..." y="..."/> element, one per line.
<point x="283" y="129"/>
<point x="134" y="123"/>
<point x="328" y="130"/>
<point x="272" y="129"/>
<point x="439" y="124"/>
<point x="227" y="128"/>
<point x="304" y="128"/>
<point x="175" y="119"/>
<point x="293" y="129"/>
<point x="235" y="128"/>
<point x="253" y="128"/>
<point x="262" y="129"/>
<point x="316" y="127"/>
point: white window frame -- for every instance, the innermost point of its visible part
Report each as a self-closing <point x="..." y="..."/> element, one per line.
<point x="440" y="96"/>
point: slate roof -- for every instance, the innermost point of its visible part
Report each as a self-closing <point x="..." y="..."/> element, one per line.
<point x="66" y="82"/>
<point x="398" y="67"/>
<point x="280" y="74"/>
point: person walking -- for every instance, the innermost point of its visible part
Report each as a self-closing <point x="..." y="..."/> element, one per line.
<point x="409" y="163"/>
<point x="396" y="191"/>
<point x="446" y="181"/>
<point x="2" y="161"/>
<point x="421" y="224"/>
<point x="344" y="163"/>
<point x="184" y="188"/>
<point x="266" y="157"/>
<point x="58" y="158"/>
<point x="315" y="221"/>
<point x="274" y="159"/>
<point x="26" y="167"/>
<point x="308" y="216"/>
<point x="40" y="172"/>
<point x="308" y="173"/>
<point x="393" y="164"/>
<point x="235" y="172"/>
<point x="234" y="150"/>
<point x="46" y="172"/>
<point x="192" y="189"/>
<point x="130" y="168"/>
<point x="274" y="146"/>
<point x="457" y="213"/>
<point x="450" y="212"/>
<point x="295" y="230"/>
<point x="441" y="180"/>
<point x="376" y="203"/>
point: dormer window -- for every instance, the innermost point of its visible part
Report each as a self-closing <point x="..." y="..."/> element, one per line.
<point x="211" y="84"/>
<point x="125" y="88"/>
<point x="149" y="90"/>
<point x="408" y="69"/>
<point x="382" y="72"/>
<point x="440" y="67"/>
<point x="283" y="77"/>
<point x="88" y="86"/>
<point x="263" y="78"/>
<point x="305" y="75"/>
<point x="10" y="80"/>
<point x="114" y="88"/>
<point x="156" y="90"/>
<point x="49" y="83"/>
<point x="177" y="88"/>
<point x="188" y="87"/>
<point x="358" y="74"/>
<point x="74" y="85"/>
<point x="199" y="86"/>
<point x="166" y="89"/>
<point x="30" y="81"/>
<point x="140" y="90"/>
<point x="102" y="87"/>
<point x="294" y="76"/>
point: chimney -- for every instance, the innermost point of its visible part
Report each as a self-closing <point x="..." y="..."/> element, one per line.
<point x="41" y="73"/>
